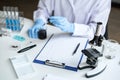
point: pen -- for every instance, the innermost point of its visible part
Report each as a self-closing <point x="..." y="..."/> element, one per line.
<point x="76" y="48"/>
<point x="27" y="48"/>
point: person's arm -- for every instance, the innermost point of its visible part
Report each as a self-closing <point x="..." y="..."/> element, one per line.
<point x="99" y="14"/>
<point x="42" y="10"/>
<point x="40" y="17"/>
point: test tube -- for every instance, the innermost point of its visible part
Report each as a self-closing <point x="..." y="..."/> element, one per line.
<point x="2" y="20"/>
<point x="17" y="22"/>
<point x="8" y="17"/>
<point x="12" y="17"/>
<point x="21" y="19"/>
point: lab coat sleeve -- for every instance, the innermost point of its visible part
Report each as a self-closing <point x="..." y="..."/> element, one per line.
<point x="83" y="30"/>
<point x="42" y="11"/>
<point x="99" y="14"/>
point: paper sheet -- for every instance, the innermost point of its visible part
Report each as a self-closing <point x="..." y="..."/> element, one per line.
<point x="60" y="49"/>
<point x="22" y="66"/>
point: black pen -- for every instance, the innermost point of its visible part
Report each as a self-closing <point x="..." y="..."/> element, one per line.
<point x="76" y="48"/>
<point x="27" y="48"/>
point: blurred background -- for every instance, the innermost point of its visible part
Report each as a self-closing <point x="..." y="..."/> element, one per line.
<point x="28" y="6"/>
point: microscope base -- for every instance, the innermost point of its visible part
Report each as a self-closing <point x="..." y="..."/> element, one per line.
<point x="96" y="71"/>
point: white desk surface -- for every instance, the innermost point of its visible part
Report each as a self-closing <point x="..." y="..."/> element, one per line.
<point x="112" y="72"/>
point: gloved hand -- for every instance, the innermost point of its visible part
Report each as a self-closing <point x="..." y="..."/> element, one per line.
<point x="62" y="23"/>
<point x="13" y="24"/>
<point x="33" y="32"/>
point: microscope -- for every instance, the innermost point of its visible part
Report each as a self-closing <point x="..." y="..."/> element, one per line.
<point x="98" y="38"/>
<point x="94" y="57"/>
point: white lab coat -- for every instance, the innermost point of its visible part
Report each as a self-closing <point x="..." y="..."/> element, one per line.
<point x="83" y="13"/>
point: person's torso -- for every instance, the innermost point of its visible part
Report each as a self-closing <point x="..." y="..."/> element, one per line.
<point x="78" y="11"/>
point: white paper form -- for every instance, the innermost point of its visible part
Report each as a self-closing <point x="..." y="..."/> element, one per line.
<point x="54" y="77"/>
<point x="60" y="49"/>
<point x="22" y="66"/>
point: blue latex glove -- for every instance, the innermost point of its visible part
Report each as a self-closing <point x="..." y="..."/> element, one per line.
<point x="13" y="24"/>
<point x="62" y="23"/>
<point x="33" y="32"/>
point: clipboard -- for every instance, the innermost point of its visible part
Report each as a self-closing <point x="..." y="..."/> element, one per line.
<point x="58" y="50"/>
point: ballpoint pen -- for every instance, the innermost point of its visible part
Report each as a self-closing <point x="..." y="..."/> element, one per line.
<point x="76" y="48"/>
<point x="27" y="48"/>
